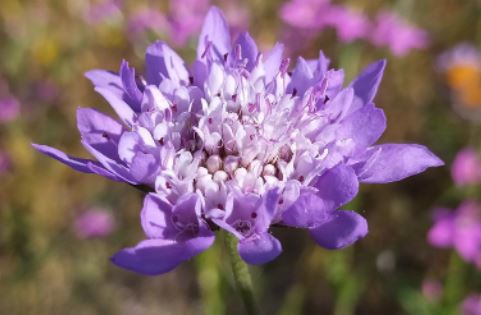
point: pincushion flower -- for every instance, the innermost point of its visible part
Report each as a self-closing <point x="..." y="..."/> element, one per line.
<point x="240" y="143"/>
<point x="459" y="229"/>
<point x="313" y="16"/>
<point x="466" y="167"/>
<point x="399" y="36"/>
<point x="95" y="222"/>
<point x="471" y="305"/>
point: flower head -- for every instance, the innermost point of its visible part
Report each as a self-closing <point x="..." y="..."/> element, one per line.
<point x="313" y="16"/>
<point x="459" y="229"/>
<point x="237" y="142"/>
<point x="96" y="222"/>
<point x="472" y="305"/>
<point x="9" y="109"/>
<point x="466" y="167"/>
<point x="399" y="36"/>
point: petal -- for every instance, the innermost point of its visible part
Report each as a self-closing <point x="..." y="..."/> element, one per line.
<point x="338" y="106"/>
<point x="366" y="84"/>
<point x="337" y="186"/>
<point x="115" y="167"/>
<point x="272" y="61"/>
<point x="308" y="211"/>
<point x="98" y="169"/>
<point x="158" y="256"/>
<point x="127" y="75"/>
<point x="89" y="120"/>
<point x="342" y="229"/>
<point x="106" y="79"/>
<point x="128" y="146"/>
<point x="302" y="77"/>
<point x="160" y="60"/>
<point x="365" y="126"/>
<point x="77" y="164"/>
<point x="199" y="73"/>
<point x="144" y="167"/>
<point x="248" y="48"/>
<point x="392" y="162"/>
<point x="215" y="31"/>
<point x="99" y="130"/>
<point x="442" y="232"/>
<point x="123" y="110"/>
<point x="188" y="208"/>
<point x="155" y="216"/>
<point x="259" y="249"/>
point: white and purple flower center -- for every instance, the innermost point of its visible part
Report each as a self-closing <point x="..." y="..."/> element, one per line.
<point x="238" y="134"/>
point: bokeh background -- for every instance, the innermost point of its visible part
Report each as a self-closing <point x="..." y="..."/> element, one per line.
<point x="52" y="262"/>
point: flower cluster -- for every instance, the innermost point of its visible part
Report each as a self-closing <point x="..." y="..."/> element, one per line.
<point x="459" y="229"/>
<point x="239" y="142"/>
<point x="387" y="30"/>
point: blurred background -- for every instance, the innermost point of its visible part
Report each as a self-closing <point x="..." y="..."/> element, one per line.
<point x="58" y="228"/>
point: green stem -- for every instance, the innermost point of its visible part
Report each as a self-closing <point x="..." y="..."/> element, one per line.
<point x="209" y="269"/>
<point x="241" y="274"/>
<point x="453" y="288"/>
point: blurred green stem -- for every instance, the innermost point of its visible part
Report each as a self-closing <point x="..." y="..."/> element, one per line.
<point x="241" y="274"/>
<point x="210" y="281"/>
<point x="454" y="280"/>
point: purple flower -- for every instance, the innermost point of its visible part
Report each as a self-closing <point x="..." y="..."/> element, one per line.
<point x="349" y="24"/>
<point x="313" y="16"/>
<point x="96" y="222"/>
<point x="304" y="14"/>
<point x="103" y="11"/>
<point x="185" y="18"/>
<point x="9" y="109"/>
<point x="146" y="19"/>
<point x="236" y="142"/>
<point x="459" y="229"/>
<point x="472" y="305"/>
<point x="466" y="167"/>
<point x="399" y="36"/>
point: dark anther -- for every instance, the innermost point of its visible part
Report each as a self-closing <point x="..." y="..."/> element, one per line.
<point x="301" y="179"/>
<point x="234" y="97"/>
<point x="294" y="92"/>
<point x="225" y="57"/>
<point x="326" y="99"/>
<point x="220" y="206"/>
<point x="253" y="215"/>
<point x="161" y="141"/>
<point x="191" y="80"/>
<point x="243" y="227"/>
<point x="168" y="185"/>
<point x="209" y="121"/>
<point x="281" y="201"/>
<point x="105" y="135"/>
